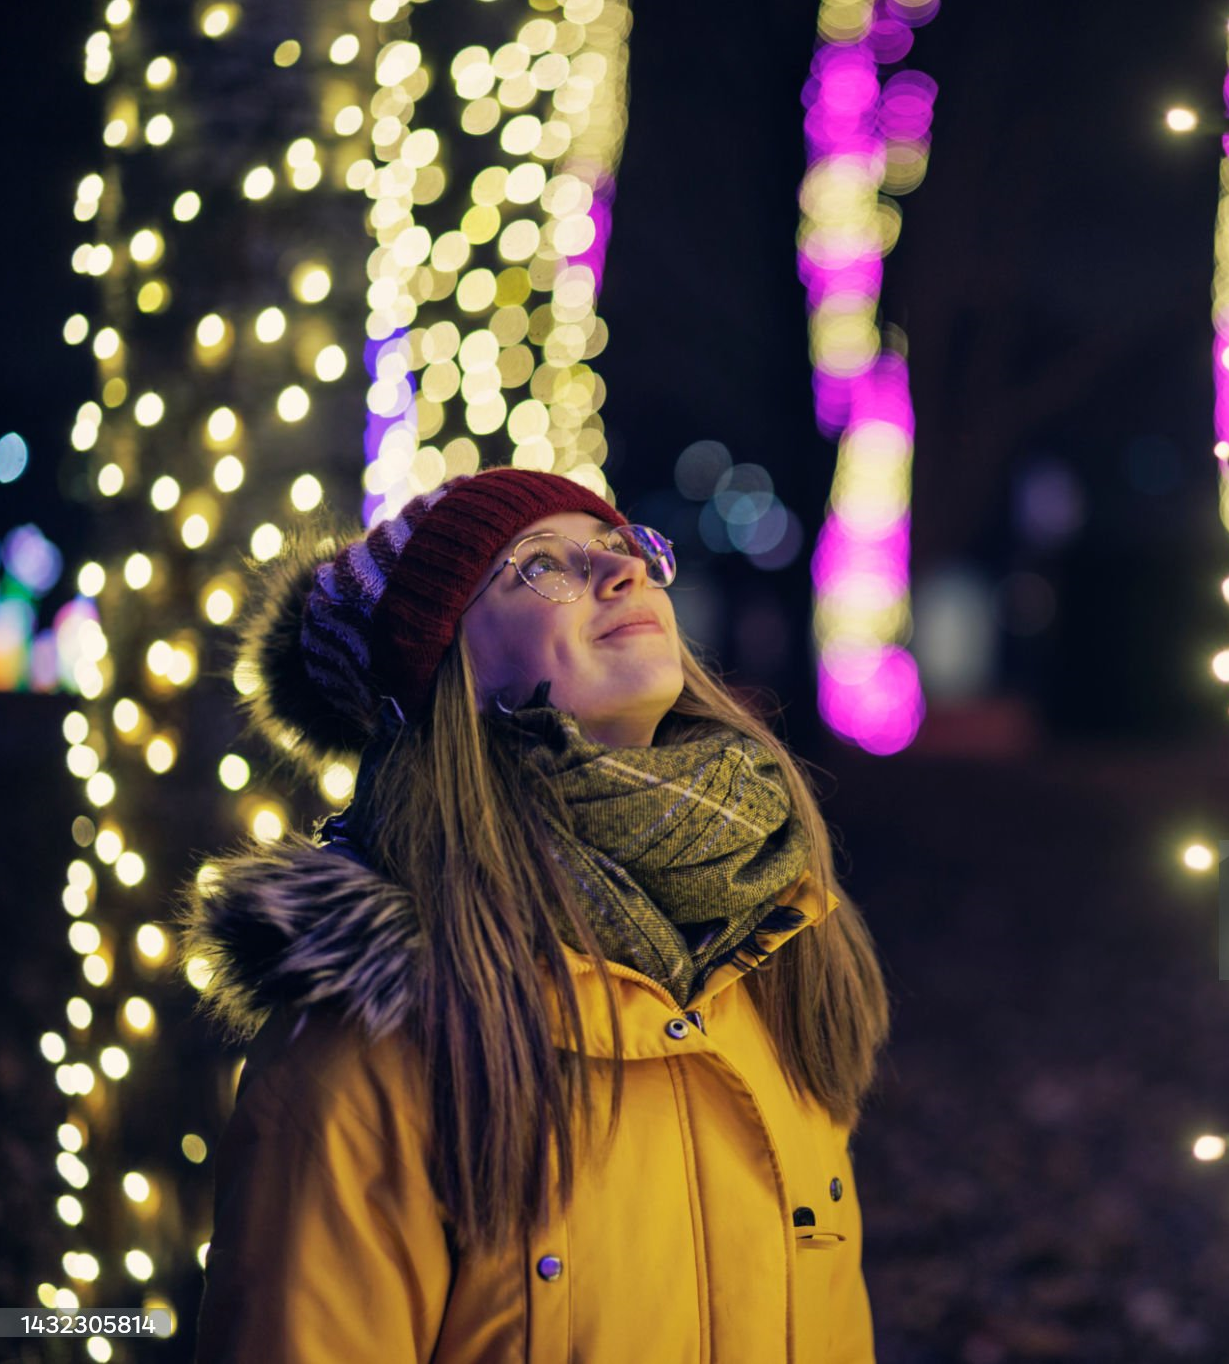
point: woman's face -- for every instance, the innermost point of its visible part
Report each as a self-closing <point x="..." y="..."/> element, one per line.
<point x="617" y="682"/>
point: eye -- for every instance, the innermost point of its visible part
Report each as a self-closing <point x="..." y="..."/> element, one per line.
<point x="542" y="561"/>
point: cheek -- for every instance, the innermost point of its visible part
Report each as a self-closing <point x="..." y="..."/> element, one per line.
<point x="518" y="646"/>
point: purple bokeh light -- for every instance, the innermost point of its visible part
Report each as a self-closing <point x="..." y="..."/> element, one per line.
<point x="600" y="214"/>
<point x="867" y="686"/>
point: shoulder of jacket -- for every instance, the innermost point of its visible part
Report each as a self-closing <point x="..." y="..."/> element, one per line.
<point x="316" y="1061"/>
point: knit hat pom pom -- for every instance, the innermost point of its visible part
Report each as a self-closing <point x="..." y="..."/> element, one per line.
<point x="282" y="702"/>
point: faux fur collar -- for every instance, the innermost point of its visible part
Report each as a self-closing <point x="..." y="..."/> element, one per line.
<point x="299" y="923"/>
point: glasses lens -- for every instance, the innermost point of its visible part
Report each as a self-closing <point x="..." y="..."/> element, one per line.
<point x="554" y="566"/>
<point x="651" y="546"/>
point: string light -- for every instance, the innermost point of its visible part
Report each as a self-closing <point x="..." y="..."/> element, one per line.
<point x="868" y="143"/>
<point x="455" y="330"/>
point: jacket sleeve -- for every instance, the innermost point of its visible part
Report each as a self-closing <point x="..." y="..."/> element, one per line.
<point x="327" y="1244"/>
<point x="853" y="1337"/>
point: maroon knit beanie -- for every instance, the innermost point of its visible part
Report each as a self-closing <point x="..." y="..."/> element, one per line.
<point x="380" y="616"/>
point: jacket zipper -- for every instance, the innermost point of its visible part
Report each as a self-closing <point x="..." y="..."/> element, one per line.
<point x="618" y="969"/>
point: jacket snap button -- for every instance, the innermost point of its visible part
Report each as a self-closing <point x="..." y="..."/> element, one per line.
<point x="836" y="1189"/>
<point x="804" y="1217"/>
<point x="550" y="1267"/>
<point x="678" y="1027"/>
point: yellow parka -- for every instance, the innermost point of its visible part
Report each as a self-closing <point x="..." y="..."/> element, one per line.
<point x="723" y="1228"/>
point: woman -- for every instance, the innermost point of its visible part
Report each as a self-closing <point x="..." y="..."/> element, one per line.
<point x="558" y="1040"/>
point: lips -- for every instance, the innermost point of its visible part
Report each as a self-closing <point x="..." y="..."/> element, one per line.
<point x="636" y="618"/>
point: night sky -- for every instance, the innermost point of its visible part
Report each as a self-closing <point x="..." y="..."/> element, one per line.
<point x="1052" y="275"/>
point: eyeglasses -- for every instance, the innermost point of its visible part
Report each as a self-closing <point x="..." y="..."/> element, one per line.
<point x="559" y="568"/>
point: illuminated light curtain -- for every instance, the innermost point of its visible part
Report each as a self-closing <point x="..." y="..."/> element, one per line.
<point x="491" y="179"/>
<point x="228" y="253"/>
<point x="868" y="141"/>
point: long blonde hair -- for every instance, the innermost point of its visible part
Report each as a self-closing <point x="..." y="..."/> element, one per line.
<point x="450" y="819"/>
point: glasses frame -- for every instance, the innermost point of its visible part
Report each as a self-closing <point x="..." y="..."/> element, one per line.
<point x="584" y="549"/>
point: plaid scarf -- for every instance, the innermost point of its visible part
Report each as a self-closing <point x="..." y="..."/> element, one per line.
<point x="677" y="852"/>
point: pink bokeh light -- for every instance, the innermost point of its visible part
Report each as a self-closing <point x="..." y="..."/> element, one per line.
<point x="868" y="689"/>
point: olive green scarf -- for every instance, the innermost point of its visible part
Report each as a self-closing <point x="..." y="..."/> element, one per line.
<point x="677" y="851"/>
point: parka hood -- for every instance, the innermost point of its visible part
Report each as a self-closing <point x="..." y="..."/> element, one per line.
<point x="303" y="923"/>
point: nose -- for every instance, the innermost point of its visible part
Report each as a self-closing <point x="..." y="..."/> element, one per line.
<point x="614" y="573"/>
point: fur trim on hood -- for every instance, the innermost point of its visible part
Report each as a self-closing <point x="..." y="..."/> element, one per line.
<point x="298" y="922"/>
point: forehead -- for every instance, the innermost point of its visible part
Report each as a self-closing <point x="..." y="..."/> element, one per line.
<point x="580" y="526"/>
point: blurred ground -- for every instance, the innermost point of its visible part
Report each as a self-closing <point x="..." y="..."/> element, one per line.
<point x="1025" y="1169"/>
<point x="1026" y="1172"/>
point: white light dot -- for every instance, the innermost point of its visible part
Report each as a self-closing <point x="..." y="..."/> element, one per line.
<point x="53" y="1047"/>
<point x="164" y="493"/>
<point x="337" y="781"/>
<point x="126" y="716"/>
<point x="222" y="424"/>
<point x="270" y="325"/>
<point x="151" y="942"/>
<point x="306" y="492"/>
<point x="312" y="284"/>
<point x="1182" y="120"/>
<point x="76" y="728"/>
<point x="91" y="579"/>
<point x="1220" y="666"/>
<point x="148" y="409"/>
<point x="228" y="473"/>
<point x="211" y="331"/>
<point x="186" y="206"/>
<point x="69" y="1210"/>
<point x="160" y="73"/>
<point x="195" y="531"/>
<point x="217" y="20"/>
<point x="108" y="845"/>
<point x="233" y="771"/>
<point x="114" y="1062"/>
<point x="136" y="1186"/>
<point x="84" y="938"/>
<point x="267" y="825"/>
<point x="100" y="789"/>
<point x="198" y="972"/>
<point x="219" y="606"/>
<point x="348" y="121"/>
<point x="139" y="1265"/>
<point x="97" y="972"/>
<point x="145" y="246"/>
<point x="266" y="542"/>
<point x="293" y="403"/>
<point x="130" y="868"/>
<point x="330" y="364"/>
<point x="138" y="1012"/>
<point x="1198" y="857"/>
<point x="344" y="49"/>
<point x="1209" y="1148"/>
<point x="106" y="343"/>
<point x="110" y="480"/>
<point x="258" y="183"/>
<point x="138" y="571"/>
<point x="159" y="130"/>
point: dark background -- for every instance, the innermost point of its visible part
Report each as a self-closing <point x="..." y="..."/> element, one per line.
<point x="1025" y="1167"/>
